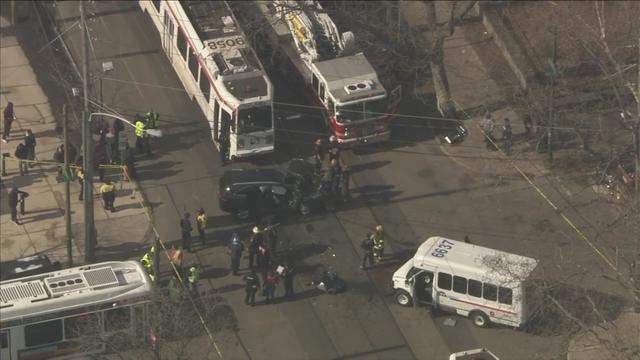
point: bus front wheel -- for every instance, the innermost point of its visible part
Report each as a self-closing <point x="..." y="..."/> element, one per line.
<point x="479" y="319"/>
<point x="403" y="298"/>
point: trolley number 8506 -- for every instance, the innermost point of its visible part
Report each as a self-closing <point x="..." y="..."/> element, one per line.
<point x="442" y="249"/>
<point x="221" y="44"/>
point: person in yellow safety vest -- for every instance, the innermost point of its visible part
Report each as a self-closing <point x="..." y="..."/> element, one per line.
<point x="140" y="134"/>
<point x="201" y="223"/>
<point x="147" y="262"/>
<point x="194" y="276"/>
<point x="378" y="243"/>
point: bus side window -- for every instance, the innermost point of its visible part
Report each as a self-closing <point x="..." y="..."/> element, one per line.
<point x="475" y="288"/>
<point x="489" y="292"/>
<point x="330" y="106"/>
<point x="460" y="284"/>
<point x="43" y="333"/>
<point x="225" y="120"/>
<point x="321" y="93"/>
<point x="117" y="319"/>
<point x="81" y="325"/>
<point x="444" y="281"/>
<point x="315" y="82"/>
<point x="4" y="340"/>
<point x="505" y="295"/>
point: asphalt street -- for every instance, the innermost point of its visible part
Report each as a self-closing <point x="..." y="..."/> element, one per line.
<point x="409" y="186"/>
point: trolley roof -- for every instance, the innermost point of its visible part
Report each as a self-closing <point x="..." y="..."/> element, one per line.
<point x="242" y="73"/>
<point x="350" y="78"/>
<point x="499" y="266"/>
<point x="70" y="288"/>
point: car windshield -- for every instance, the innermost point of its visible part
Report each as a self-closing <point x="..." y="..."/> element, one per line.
<point x="361" y="111"/>
<point x="254" y="119"/>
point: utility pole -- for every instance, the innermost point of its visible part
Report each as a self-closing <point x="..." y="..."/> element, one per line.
<point x="552" y="76"/>
<point x="89" y="230"/>
<point x="67" y="188"/>
<point x="636" y="132"/>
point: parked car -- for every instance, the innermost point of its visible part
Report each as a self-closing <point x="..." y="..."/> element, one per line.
<point x="252" y="192"/>
<point x="27" y="266"/>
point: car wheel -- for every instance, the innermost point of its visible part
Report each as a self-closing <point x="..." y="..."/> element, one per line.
<point x="403" y="298"/>
<point x="479" y="319"/>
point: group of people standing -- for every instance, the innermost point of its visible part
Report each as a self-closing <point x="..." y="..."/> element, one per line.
<point x="335" y="178"/>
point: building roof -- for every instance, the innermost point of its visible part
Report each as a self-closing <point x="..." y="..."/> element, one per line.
<point x="350" y="71"/>
<point x="487" y="264"/>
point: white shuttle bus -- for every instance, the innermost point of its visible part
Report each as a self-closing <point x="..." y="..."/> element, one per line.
<point x="486" y="285"/>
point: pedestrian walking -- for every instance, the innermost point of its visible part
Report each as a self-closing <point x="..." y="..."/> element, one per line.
<point x="288" y="275"/>
<point x="201" y="224"/>
<point x="256" y="242"/>
<point x="16" y="197"/>
<point x="21" y="154"/>
<point x="252" y="284"/>
<point x="9" y="117"/>
<point x="176" y="255"/>
<point x="185" y="226"/>
<point x="334" y="149"/>
<point x="488" y="125"/>
<point x="193" y="277"/>
<point x="30" y="143"/>
<point x="108" y="191"/>
<point x="318" y="155"/>
<point x="367" y="246"/>
<point x="528" y="124"/>
<point x="235" y="252"/>
<point x="110" y="138"/>
<point x="270" y="284"/>
<point x="506" y="136"/>
<point x="100" y="158"/>
<point x="378" y="243"/>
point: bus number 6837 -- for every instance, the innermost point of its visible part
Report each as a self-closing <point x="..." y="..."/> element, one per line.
<point x="442" y="248"/>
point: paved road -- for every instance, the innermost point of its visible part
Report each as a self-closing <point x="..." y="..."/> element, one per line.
<point x="409" y="186"/>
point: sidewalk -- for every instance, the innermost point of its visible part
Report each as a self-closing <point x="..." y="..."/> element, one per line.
<point x="43" y="230"/>
<point x="474" y="86"/>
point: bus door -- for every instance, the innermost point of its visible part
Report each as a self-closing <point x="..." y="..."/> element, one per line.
<point x="5" y="345"/>
<point x="422" y="287"/>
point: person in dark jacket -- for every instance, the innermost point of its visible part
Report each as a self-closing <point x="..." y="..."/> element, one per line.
<point x="367" y="246"/>
<point x="256" y="241"/>
<point x="288" y="275"/>
<point x="344" y="184"/>
<point x="15" y="196"/>
<point x="100" y="158"/>
<point x="30" y="143"/>
<point x="9" y="116"/>
<point x="185" y="226"/>
<point x="235" y="251"/>
<point x="334" y="149"/>
<point x="252" y="284"/>
<point x="21" y="154"/>
<point x="318" y="156"/>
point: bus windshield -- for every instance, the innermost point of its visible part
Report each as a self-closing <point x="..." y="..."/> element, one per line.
<point x="361" y="111"/>
<point x="254" y="119"/>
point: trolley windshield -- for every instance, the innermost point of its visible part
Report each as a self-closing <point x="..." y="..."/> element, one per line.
<point x="361" y="111"/>
<point x="254" y="119"/>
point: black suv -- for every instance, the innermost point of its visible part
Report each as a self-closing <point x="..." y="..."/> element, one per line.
<point x="252" y="192"/>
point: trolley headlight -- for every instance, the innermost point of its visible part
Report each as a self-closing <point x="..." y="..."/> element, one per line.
<point x="346" y="132"/>
<point x="240" y="143"/>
